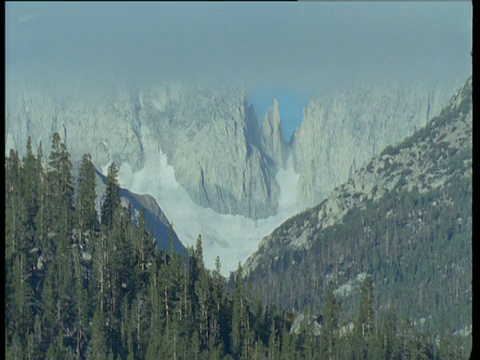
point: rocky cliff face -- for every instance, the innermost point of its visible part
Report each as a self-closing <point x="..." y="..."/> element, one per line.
<point x="341" y="131"/>
<point x="211" y="139"/>
<point x="103" y="127"/>
<point x="210" y="136"/>
<point x="273" y="141"/>
<point x="426" y="160"/>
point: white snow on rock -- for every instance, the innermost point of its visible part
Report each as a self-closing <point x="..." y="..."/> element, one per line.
<point x="232" y="237"/>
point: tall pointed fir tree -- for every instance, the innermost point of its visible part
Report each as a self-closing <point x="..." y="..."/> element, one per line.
<point x="202" y="293"/>
<point x="104" y="243"/>
<point x="331" y="312"/>
<point x="60" y="221"/>
<point x="363" y="326"/>
<point x="111" y="204"/>
<point x="237" y="336"/>
<point x="41" y="221"/>
<point x="85" y="212"/>
<point x="19" y="233"/>
<point x="30" y="190"/>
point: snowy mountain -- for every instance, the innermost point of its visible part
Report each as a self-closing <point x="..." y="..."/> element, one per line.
<point x="201" y="153"/>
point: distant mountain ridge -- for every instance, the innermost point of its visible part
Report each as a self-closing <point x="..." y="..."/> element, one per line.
<point x="405" y="218"/>
<point x="341" y="131"/>
<point x="204" y="157"/>
<point x="212" y="137"/>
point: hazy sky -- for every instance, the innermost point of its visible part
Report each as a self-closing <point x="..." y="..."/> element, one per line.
<point x="285" y="50"/>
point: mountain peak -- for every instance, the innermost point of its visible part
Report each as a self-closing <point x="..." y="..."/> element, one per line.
<point x="273" y="141"/>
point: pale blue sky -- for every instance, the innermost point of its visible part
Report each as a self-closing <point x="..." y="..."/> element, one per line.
<point x="284" y="50"/>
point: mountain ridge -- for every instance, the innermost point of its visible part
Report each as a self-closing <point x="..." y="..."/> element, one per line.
<point x="408" y="203"/>
<point x="218" y="153"/>
<point x="121" y="125"/>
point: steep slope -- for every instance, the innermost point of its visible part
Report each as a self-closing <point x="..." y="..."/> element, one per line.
<point x="343" y="130"/>
<point x="154" y="215"/>
<point x="405" y="218"/>
<point x="273" y="141"/>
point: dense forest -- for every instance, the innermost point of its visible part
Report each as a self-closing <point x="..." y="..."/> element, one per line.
<point x="82" y="285"/>
<point x="418" y="255"/>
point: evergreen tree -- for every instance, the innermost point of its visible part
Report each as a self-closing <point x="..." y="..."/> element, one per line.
<point x="111" y="204"/>
<point x="202" y="291"/>
<point x="273" y="344"/>
<point x="12" y="196"/>
<point x="389" y="332"/>
<point x="17" y="252"/>
<point x="239" y="314"/>
<point x="81" y="310"/>
<point x="330" y="320"/>
<point x="218" y="308"/>
<point x="145" y="243"/>
<point x="366" y="315"/>
<point x="61" y="188"/>
<point x="30" y="190"/>
<point x="86" y="214"/>
<point x="99" y="348"/>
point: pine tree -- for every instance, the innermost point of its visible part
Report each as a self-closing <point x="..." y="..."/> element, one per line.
<point x="61" y="189"/>
<point x="273" y="344"/>
<point x="48" y="305"/>
<point x="85" y="212"/>
<point x="60" y="210"/>
<point x="389" y="331"/>
<point x="239" y="314"/>
<point x="140" y="320"/>
<point x="288" y="345"/>
<point x="30" y="190"/>
<point x="366" y="315"/>
<point x="81" y="310"/>
<point x="99" y="348"/>
<point x="111" y="204"/>
<point x="310" y="345"/>
<point x="18" y="243"/>
<point x="100" y="268"/>
<point x="331" y="316"/>
<point x="40" y="219"/>
<point x="145" y="243"/>
<point x="12" y="194"/>
<point x="202" y="291"/>
<point x="218" y="283"/>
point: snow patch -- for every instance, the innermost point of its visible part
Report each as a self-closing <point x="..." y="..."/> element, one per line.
<point x="232" y="237"/>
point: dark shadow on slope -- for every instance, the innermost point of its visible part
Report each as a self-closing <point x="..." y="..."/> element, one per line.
<point x="154" y="216"/>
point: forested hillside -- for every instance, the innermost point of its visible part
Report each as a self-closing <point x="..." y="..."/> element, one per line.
<point x="79" y="285"/>
<point x="82" y="285"/>
<point x="405" y="220"/>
